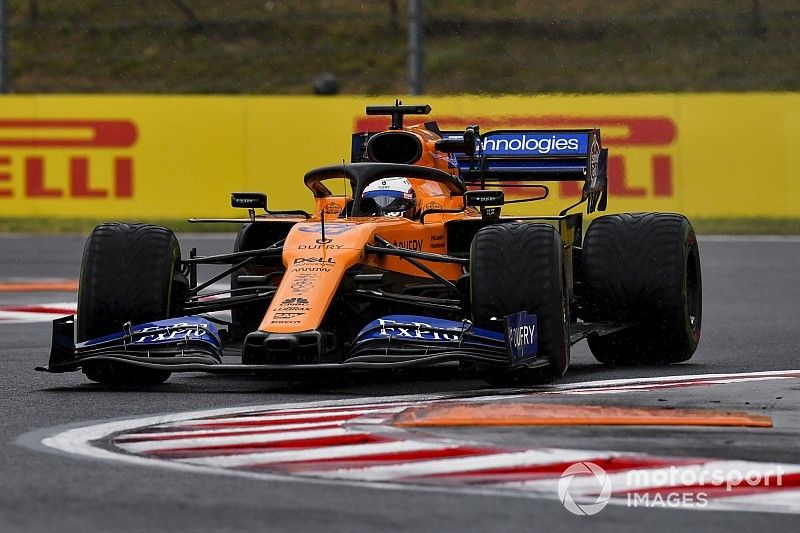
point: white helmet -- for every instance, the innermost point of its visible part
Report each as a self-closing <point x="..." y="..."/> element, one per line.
<point x="394" y="197"/>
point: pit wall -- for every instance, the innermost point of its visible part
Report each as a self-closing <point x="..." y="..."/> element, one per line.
<point x="138" y="157"/>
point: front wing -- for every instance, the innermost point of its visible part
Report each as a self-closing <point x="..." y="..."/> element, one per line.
<point x="192" y="344"/>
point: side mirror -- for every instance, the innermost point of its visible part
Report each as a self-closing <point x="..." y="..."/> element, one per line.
<point x="484" y="198"/>
<point x="249" y="200"/>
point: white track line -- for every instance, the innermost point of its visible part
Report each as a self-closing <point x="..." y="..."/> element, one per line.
<point x="374" y="411"/>
<point x="664" y="385"/>
<point x="7" y="317"/>
<point x="459" y="464"/>
<point x="333" y="452"/>
<point x="232" y="440"/>
<point x="67" y="306"/>
<point x="30" y="317"/>
<point x="787" y="501"/>
<point x="173" y="435"/>
<point x="641" y="479"/>
<point x="630" y="384"/>
<point x="253" y="420"/>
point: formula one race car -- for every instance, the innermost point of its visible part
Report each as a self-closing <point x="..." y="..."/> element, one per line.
<point x="412" y="266"/>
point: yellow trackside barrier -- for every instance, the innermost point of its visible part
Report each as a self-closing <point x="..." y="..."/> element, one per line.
<point x="118" y="157"/>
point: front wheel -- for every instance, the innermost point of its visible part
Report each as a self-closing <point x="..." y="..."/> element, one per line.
<point x="128" y="273"/>
<point x="519" y="267"/>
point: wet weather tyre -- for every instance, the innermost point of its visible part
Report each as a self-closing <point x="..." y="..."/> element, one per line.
<point x="519" y="267"/>
<point x="128" y="273"/>
<point x="643" y="269"/>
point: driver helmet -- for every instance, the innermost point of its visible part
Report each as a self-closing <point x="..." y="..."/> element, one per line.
<point x="393" y="197"/>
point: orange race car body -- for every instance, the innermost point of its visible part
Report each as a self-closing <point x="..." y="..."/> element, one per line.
<point x="350" y="288"/>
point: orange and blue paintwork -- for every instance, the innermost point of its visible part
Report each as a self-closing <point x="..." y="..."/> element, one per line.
<point x="315" y="267"/>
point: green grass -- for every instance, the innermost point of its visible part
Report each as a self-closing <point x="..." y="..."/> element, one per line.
<point x="472" y="46"/>
<point x="747" y="226"/>
<point x="705" y="226"/>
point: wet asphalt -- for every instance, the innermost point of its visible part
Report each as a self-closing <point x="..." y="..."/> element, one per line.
<point x="751" y="310"/>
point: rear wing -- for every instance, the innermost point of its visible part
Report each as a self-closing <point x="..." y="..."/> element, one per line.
<point x="507" y="157"/>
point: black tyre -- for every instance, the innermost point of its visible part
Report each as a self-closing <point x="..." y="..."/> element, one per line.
<point x="247" y="318"/>
<point x="643" y="269"/>
<point x="127" y="274"/>
<point x="518" y="267"/>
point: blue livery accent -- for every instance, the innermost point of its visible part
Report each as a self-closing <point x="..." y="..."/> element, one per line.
<point x="410" y="327"/>
<point x="529" y="144"/>
<point x="161" y="332"/>
<point x="331" y="228"/>
<point x="383" y="192"/>
<point x="395" y="335"/>
<point x="534" y="155"/>
<point x="536" y="166"/>
<point x="452" y="161"/>
<point x="522" y="333"/>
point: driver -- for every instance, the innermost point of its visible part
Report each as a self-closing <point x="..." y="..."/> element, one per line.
<point x="389" y="197"/>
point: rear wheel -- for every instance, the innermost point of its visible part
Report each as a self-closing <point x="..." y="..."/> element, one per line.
<point x="128" y="273"/>
<point x="518" y="267"/>
<point x="643" y="269"/>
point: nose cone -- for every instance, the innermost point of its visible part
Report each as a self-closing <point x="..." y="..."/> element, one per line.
<point x="314" y="270"/>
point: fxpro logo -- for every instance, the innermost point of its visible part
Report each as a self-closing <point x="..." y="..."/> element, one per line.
<point x="415" y="330"/>
<point x="533" y="144"/>
<point x="179" y="331"/>
<point x="30" y="150"/>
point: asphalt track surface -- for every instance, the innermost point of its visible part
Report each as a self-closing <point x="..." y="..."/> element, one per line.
<point x="750" y="324"/>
